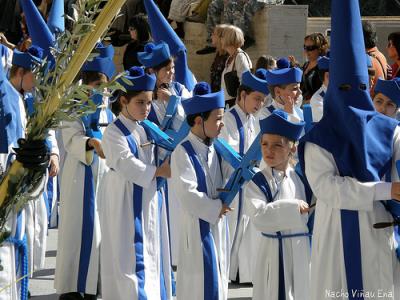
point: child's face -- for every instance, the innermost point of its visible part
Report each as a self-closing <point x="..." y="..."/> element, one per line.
<point x="276" y="150"/>
<point x="166" y="74"/>
<point x="214" y="123"/>
<point x="252" y="103"/>
<point x="138" y="108"/>
<point x="291" y="91"/>
<point x="384" y="105"/>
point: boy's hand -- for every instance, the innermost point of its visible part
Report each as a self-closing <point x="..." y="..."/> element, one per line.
<point x="163" y="94"/>
<point x="96" y="144"/>
<point x="289" y="104"/>
<point x="224" y="209"/>
<point x="396" y="191"/>
<point x="164" y="170"/>
<point x="54" y="165"/>
<point x="303" y="206"/>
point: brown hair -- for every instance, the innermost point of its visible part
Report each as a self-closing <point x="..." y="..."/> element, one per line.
<point x="320" y="41"/>
<point x="219" y="31"/>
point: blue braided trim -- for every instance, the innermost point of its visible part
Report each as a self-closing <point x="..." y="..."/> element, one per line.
<point x="21" y="247"/>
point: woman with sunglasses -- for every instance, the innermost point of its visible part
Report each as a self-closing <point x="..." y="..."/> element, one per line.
<point x="315" y="45"/>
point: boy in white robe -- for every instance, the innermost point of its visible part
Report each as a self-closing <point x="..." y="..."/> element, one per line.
<point x="135" y="258"/>
<point x="240" y="131"/>
<point x="14" y="251"/>
<point x="157" y="60"/>
<point x="78" y="257"/>
<point x="284" y="86"/>
<point x="276" y="202"/>
<point x="344" y="158"/>
<point x="387" y="101"/>
<point x="196" y="175"/>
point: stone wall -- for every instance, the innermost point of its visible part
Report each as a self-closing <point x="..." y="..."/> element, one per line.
<point x="278" y="30"/>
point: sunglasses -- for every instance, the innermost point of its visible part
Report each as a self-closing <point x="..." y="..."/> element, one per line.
<point x="310" y="48"/>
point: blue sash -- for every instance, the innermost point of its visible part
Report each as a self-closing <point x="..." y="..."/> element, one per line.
<point x="350" y="226"/>
<point x="137" y="213"/>
<point x="209" y="255"/>
<point x="240" y="128"/>
<point x="92" y="128"/>
<point x="260" y="180"/>
<point x="153" y="116"/>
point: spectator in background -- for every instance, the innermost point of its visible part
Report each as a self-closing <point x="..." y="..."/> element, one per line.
<point x="139" y="31"/>
<point x="236" y="12"/>
<point x="379" y="62"/>
<point x="200" y="12"/>
<point x="393" y="49"/>
<point x="238" y="60"/>
<point x="315" y="45"/>
<point x="266" y="62"/>
<point x="178" y="12"/>
<point x="218" y="65"/>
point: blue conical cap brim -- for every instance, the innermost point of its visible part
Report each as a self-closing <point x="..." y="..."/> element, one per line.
<point x="38" y="30"/>
<point x="56" y="21"/>
<point x="162" y="31"/>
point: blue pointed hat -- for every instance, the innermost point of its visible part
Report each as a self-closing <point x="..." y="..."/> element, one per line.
<point x="28" y="59"/>
<point x="203" y="100"/>
<point x="161" y="30"/>
<point x="389" y="88"/>
<point x="154" y="54"/>
<point x="284" y="76"/>
<point x="102" y="63"/>
<point x="323" y="63"/>
<point x="38" y="30"/>
<point x="278" y="123"/>
<point x="255" y="83"/>
<point x="56" y="20"/>
<point x="364" y="135"/>
<point x="11" y="128"/>
<point x="105" y="51"/>
<point x="140" y="81"/>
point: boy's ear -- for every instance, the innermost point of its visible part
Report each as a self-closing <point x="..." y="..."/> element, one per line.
<point x="277" y="91"/>
<point x="123" y="100"/>
<point x="293" y="149"/>
<point x="198" y="120"/>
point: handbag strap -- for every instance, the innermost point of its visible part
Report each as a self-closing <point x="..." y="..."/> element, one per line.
<point x="247" y="58"/>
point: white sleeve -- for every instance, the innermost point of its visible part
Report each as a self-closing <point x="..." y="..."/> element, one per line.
<point x="337" y="191"/>
<point x="227" y="133"/>
<point x="242" y="64"/>
<point x="54" y="145"/>
<point x="283" y="214"/>
<point x="396" y="154"/>
<point x="120" y="158"/>
<point x="317" y="107"/>
<point x="184" y="183"/>
<point x="74" y="140"/>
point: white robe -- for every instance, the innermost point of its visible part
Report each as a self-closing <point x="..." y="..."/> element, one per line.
<point x="174" y="211"/>
<point x="242" y="249"/>
<point x="73" y="272"/>
<point x="283" y="214"/>
<point x="37" y="218"/>
<point x="380" y="267"/>
<point x="195" y="206"/>
<point x="119" y="233"/>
